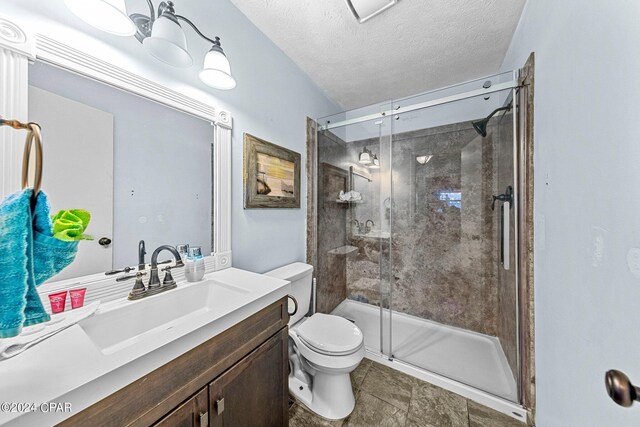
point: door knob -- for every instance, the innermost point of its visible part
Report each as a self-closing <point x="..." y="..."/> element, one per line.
<point x="620" y="389"/>
<point x="104" y="241"/>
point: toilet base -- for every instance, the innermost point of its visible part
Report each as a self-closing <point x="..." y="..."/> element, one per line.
<point x="331" y="396"/>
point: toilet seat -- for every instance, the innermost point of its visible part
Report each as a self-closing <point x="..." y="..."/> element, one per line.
<point x="330" y="335"/>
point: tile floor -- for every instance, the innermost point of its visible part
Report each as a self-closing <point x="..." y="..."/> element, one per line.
<point x="386" y="397"/>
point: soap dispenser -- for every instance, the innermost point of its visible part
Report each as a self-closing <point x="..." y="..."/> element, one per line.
<point x="194" y="268"/>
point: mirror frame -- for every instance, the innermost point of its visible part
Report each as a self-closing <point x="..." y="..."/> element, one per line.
<point x="20" y="46"/>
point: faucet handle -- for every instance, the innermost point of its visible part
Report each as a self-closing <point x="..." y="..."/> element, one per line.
<point x="139" y="289"/>
<point x="168" y="280"/>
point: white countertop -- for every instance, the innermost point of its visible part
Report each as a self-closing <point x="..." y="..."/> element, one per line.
<point x="73" y="368"/>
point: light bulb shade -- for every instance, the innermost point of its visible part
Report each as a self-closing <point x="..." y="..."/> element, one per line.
<point x="168" y="43"/>
<point x="375" y="163"/>
<point x="365" y="157"/>
<point x="216" y="71"/>
<point x="106" y="15"/>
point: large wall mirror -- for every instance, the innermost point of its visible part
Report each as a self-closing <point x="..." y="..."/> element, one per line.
<point x="147" y="161"/>
<point x="142" y="169"/>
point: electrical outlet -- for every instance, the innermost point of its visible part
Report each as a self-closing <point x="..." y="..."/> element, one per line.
<point x="633" y="261"/>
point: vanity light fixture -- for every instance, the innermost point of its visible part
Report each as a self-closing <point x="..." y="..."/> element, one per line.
<point x="423" y="160"/>
<point x="365" y="157"/>
<point x="364" y="10"/>
<point x="375" y="163"/>
<point x="162" y="37"/>
<point x="106" y="15"/>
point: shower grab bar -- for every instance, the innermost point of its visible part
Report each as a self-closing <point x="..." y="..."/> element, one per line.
<point x="419" y="106"/>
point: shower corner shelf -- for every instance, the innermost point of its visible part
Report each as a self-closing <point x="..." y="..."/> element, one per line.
<point x="343" y="250"/>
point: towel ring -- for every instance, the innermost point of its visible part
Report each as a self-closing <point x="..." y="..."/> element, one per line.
<point x="33" y="136"/>
<point x="14" y="124"/>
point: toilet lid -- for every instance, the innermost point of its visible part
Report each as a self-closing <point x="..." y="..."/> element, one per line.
<point x="330" y="334"/>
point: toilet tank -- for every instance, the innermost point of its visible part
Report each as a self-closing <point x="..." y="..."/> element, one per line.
<point x="300" y="275"/>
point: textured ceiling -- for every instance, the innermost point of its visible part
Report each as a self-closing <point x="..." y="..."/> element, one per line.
<point x="413" y="47"/>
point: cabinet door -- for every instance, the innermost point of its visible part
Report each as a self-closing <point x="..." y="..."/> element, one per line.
<point x="254" y="392"/>
<point x="192" y="413"/>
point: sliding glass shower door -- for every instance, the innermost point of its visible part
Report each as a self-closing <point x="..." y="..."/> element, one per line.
<point x="452" y="242"/>
<point x="416" y="231"/>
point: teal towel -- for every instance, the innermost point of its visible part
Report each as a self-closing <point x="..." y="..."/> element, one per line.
<point x="15" y="232"/>
<point x="30" y="256"/>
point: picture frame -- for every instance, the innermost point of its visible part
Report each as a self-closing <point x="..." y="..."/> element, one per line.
<point x="271" y="175"/>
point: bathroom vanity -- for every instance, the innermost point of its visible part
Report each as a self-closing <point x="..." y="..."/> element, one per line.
<point x="237" y="378"/>
<point x="207" y="353"/>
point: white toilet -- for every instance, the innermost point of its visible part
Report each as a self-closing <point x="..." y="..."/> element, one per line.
<point x="323" y="350"/>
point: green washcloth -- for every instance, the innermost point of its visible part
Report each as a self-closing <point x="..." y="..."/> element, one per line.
<point x="69" y="226"/>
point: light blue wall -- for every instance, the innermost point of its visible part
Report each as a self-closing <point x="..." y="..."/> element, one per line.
<point x="587" y="158"/>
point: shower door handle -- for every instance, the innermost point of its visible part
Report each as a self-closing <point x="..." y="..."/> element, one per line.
<point x="505" y="226"/>
<point x="506" y="230"/>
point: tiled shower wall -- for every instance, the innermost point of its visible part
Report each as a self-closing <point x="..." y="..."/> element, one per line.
<point x="442" y="252"/>
<point x="331" y="233"/>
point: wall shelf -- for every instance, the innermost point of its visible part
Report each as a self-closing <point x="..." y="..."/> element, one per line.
<point x="343" y="250"/>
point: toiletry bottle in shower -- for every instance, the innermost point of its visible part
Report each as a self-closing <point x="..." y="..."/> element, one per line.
<point x="194" y="267"/>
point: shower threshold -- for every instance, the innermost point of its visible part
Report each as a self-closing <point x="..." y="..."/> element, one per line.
<point x="465" y="362"/>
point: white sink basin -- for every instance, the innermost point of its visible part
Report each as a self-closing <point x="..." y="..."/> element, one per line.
<point x="124" y="323"/>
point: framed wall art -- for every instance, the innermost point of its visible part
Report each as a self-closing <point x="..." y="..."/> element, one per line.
<point x="271" y="175"/>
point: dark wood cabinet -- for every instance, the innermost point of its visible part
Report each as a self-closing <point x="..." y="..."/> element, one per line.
<point x="238" y="377"/>
<point x="192" y="413"/>
<point x="251" y="393"/>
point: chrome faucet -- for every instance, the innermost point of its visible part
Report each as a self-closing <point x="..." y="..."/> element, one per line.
<point x="154" y="285"/>
<point x="141" y="253"/>
<point x="366" y="226"/>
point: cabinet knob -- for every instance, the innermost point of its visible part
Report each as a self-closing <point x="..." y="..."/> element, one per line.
<point x="204" y="419"/>
<point x="220" y="406"/>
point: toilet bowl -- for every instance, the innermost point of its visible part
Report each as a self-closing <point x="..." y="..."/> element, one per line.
<point x="323" y="350"/>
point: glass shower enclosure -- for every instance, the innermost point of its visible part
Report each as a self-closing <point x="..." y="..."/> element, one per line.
<point x="416" y="230"/>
